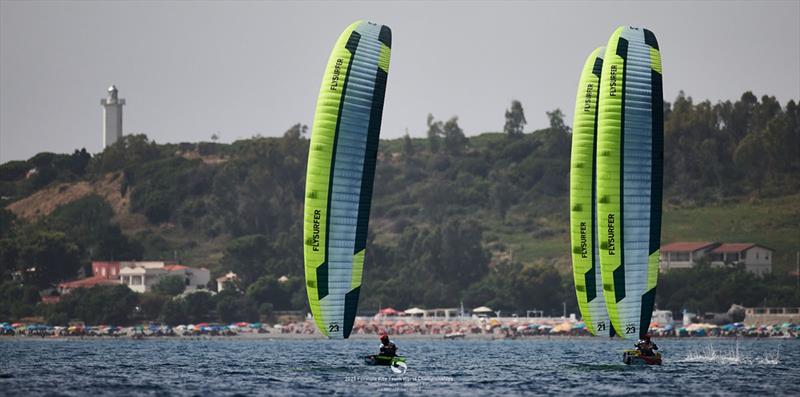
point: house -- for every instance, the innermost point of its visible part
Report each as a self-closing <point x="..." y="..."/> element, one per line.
<point x="662" y="317"/>
<point x="231" y="277"/>
<point x="142" y="276"/>
<point x="105" y="269"/>
<point x="757" y="259"/>
<point x="195" y="278"/>
<point x="683" y="255"/>
<point x="103" y="273"/>
<point x="68" y="286"/>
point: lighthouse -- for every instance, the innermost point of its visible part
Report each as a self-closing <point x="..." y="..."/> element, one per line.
<point x="112" y="117"/>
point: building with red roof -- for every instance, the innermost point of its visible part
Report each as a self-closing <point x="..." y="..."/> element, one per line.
<point x="105" y="269"/>
<point x="756" y="258"/>
<point x="143" y="276"/>
<point x="683" y="255"/>
<point x="67" y="286"/>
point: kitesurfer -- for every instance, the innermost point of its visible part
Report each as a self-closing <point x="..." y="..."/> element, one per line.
<point x="646" y="347"/>
<point x="388" y="348"/>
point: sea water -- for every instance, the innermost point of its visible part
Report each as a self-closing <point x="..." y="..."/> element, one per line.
<point x="436" y="367"/>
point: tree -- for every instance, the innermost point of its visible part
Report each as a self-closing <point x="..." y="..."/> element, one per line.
<point x="151" y="305"/>
<point x="48" y="257"/>
<point x="199" y="307"/>
<point x="233" y="307"/>
<point x="750" y="156"/>
<point x="170" y="285"/>
<point x="101" y="304"/>
<point x="515" y="119"/>
<point x="174" y="312"/>
<point x="454" y="139"/>
<point x="408" y="147"/>
<point x="267" y="289"/>
<point x="249" y="256"/>
<point x="503" y="195"/>
<point x="434" y="134"/>
<point x="556" y="118"/>
<point x="297" y="131"/>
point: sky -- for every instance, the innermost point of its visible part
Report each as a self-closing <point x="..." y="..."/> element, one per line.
<point x="237" y="69"/>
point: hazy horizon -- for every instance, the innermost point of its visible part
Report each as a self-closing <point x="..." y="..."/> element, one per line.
<point x="190" y="70"/>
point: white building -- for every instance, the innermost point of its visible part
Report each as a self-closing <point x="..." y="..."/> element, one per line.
<point x="142" y="276"/>
<point x="112" y="117"/>
<point x="231" y="277"/>
<point x="683" y="255"/>
<point x="757" y="259"/>
<point x="662" y="317"/>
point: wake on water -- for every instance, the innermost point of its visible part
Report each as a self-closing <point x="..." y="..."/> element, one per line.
<point x="733" y="356"/>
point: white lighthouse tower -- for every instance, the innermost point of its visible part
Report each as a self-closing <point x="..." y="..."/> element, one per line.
<point x="112" y="117"/>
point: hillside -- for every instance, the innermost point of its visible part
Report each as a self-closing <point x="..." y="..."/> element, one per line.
<point x="481" y="220"/>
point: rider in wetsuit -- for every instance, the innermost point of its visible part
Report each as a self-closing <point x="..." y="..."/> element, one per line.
<point x="646" y="347"/>
<point x="387" y="348"/>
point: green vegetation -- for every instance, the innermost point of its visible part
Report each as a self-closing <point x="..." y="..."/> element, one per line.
<point x="689" y="289"/>
<point x="478" y="220"/>
<point x="170" y="285"/>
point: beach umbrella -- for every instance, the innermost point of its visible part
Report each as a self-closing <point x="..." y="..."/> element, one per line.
<point x="563" y="327"/>
<point x="255" y="325"/>
<point x="700" y="332"/>
<point x="243" y="324"/>
<point x="482" y="309"/>
<point x="728" y="327"/>
<point x="389" y="312"/>
<point x="17" y="325"/>
<point x="415" y="311"/>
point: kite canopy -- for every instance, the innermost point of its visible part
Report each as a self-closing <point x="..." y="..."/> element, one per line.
<point x="583" y="202"/>
<point x="629" y="177"/>
<point x="340" y="173"/>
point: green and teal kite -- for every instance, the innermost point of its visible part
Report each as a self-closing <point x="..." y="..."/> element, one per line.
<point x="629" y="177"/>
<point x="583" y="202"/>
<point x="340" y="174"/>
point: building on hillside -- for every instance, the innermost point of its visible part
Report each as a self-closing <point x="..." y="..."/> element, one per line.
<point x="683" y="255"/>
<point x="105" y="269"/>
<point x="112" y="117"/>
<point x="757" y="259"/>
<point x="142" y="276"/>
<point x="195" y="278"/>
<point x="231" y="277"/>
<point x="68" y="286"/>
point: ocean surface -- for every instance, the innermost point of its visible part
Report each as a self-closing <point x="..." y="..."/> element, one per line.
<point x="435" y="367"/>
